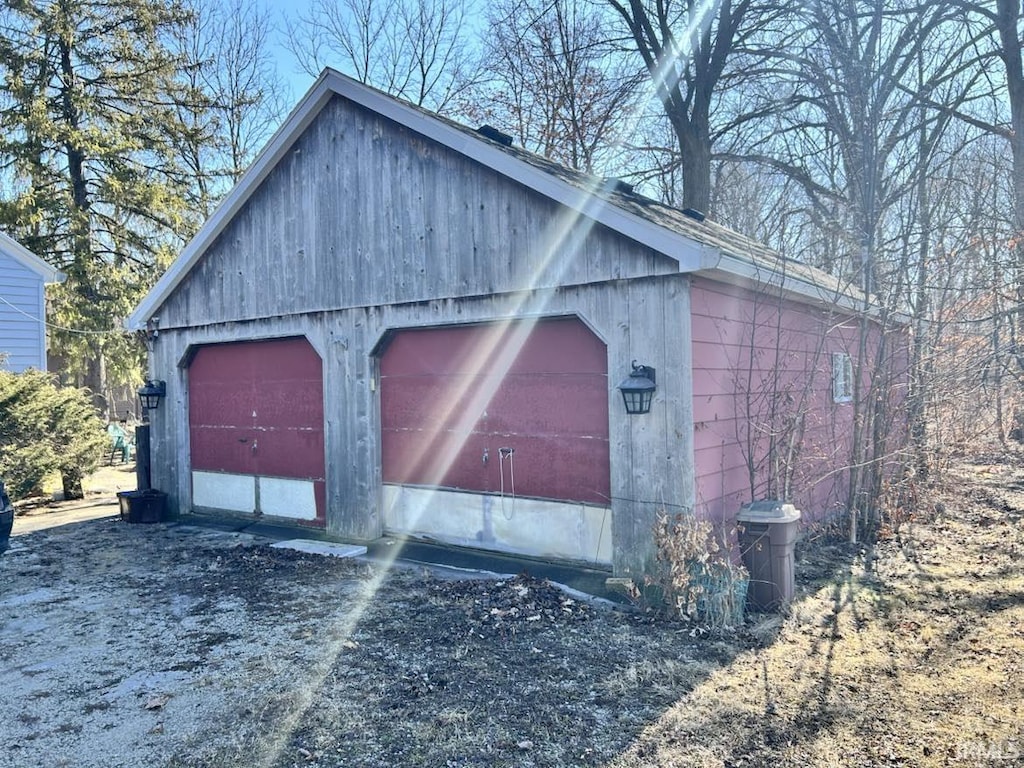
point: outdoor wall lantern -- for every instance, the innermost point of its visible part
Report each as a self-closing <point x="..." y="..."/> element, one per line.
<point x="151" y="393"/>
<point x="638" y="390"/>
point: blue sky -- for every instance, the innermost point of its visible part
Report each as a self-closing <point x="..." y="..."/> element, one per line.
<point x="287" y="66"/>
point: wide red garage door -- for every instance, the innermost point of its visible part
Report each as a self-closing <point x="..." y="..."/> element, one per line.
<point x="256" y="429"/>
<point x="480" y="408"/>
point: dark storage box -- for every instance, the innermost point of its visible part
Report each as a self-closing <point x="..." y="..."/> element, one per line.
<point x="143" y="506"/>
<point x="6" y="519"/>
<point x="6" y="523"/>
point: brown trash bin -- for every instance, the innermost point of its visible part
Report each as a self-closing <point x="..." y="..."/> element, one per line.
<point x="767" y="535"/>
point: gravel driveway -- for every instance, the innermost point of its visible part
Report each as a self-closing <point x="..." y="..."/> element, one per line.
<point x="170" y="645"/>
<point x="131" y="645"/>
<point x="179" y="647"/>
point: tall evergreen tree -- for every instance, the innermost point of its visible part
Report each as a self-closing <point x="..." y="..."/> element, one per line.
<point x="88" y="92"/>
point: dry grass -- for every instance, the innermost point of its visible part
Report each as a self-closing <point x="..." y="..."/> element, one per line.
<point x="104" y="482"/>
<point x="909" y="654"/>
<point x="917" y="661"/>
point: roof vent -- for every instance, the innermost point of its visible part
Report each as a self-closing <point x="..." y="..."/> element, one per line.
<point x="494" y="134"/>
<point x="693" y="213"/>
<point x="618" y="185"/>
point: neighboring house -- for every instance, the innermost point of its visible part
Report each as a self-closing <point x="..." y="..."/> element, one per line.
<point x="23" y="306"/>
<point x="398" y="325"/>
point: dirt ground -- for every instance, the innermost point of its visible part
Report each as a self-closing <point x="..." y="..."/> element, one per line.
<point x="100" y="500"/>
<point x="165" y="645"/>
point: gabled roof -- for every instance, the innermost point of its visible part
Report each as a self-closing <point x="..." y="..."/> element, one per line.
<point x="697" y="246"/>
<point x="11" y="247"/>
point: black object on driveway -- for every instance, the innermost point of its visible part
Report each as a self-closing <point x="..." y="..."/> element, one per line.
<point x="147" y="506"/>
<point x="6" y="519"/>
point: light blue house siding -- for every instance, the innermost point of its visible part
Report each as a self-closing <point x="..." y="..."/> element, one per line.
<point x="22" y="306"/>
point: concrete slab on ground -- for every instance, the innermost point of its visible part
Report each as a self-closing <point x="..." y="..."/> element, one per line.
<point x="321" y="547"/>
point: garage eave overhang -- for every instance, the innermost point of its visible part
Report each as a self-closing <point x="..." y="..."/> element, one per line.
<point x="25" y="257"/>
<point x="724" y="267"/>
<point x="589" y="203"/>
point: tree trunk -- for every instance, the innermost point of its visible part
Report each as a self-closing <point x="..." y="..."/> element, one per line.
<point x="95" y="380"/>
<point x="686" y="98"/>
<point x="1007" y="19"/>
<point x="695" y="162"/>
<point x="71" y="480"/>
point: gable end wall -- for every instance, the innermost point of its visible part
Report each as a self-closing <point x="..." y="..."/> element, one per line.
<point x="363" y="212"/>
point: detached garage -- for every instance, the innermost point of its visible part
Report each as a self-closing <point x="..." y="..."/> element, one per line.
<point x="397" y="325"/>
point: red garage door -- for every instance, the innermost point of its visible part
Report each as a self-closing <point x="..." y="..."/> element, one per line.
<point x="455" y="399"/>
<point x="256" y="429"/>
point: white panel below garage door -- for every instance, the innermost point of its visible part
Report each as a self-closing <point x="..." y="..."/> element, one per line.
<point x="548" y="529"/>
<point x="287" y="498"/>
<point x="219" y="490"/>
<point x="278" y="497"/>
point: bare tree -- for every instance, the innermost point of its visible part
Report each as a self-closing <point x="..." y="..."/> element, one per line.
<point x="843" y="122"/>
<point x="847" y="124"/>
<point x="999" y="25"/>
<point x="999" y="39"/>
<point x="851" y="75"/>
<point x="418" y="50"/>
<point x="551" y="79"/>
<point x="688" y="48"/>
<point x="1008" y="18"/>
<point x="238" y="97"/>
<point x="967" y="344"/>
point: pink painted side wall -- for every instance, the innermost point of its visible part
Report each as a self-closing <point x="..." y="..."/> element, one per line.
<point x="763" y="402"/>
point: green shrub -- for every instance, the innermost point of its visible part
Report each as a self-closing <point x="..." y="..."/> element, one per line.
<point x="45" y="428"/>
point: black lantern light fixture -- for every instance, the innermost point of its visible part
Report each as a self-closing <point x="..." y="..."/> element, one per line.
<point x="638" y="390"/>
<point x="151" y="393"/>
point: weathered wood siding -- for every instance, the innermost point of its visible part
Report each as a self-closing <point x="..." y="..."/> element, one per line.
<point x="364" y="212"/>
<point x="22" y="332"/>
<point x="651" y="455"/>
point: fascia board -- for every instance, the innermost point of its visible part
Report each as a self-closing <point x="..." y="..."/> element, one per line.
<point x="24" y="256"/>
<point x="730" y="269"/>
<point x="742" y="273"/>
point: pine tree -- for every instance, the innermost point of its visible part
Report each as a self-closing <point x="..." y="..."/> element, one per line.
<point x="90" y="181"/>
<point x="46" y="429"/>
